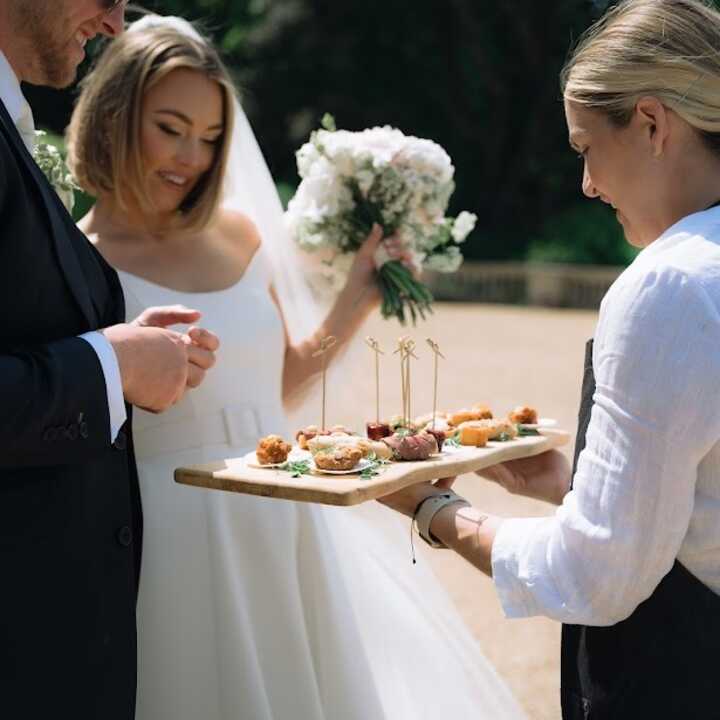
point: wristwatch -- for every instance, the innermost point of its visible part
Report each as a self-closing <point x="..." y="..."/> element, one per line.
<point x="428" y="509"/>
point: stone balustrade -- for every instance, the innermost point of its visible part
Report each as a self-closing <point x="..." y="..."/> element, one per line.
<point x="547" y="284"/>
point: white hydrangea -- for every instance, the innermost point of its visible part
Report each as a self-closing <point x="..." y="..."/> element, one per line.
<point x="407" y="180"/>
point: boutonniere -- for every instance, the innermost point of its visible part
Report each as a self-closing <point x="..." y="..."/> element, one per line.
<point x="51" y="162"/>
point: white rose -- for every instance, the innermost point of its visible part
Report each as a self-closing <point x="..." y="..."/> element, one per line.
<point x="464" y="224"/>
<point x="306" y="157"/>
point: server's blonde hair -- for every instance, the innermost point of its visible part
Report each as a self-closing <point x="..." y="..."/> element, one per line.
<point x="104" y="133"/>
<point x="668" y="49"/>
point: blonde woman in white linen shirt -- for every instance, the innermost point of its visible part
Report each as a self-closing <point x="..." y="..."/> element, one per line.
<point x="630" y="561"/>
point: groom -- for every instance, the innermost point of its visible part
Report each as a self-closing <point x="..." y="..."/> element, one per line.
<point x="70" y="520"/>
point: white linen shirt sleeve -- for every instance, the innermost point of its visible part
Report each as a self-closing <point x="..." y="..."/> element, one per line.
<point x="618" y="532"/>
<point x="113" y="381"/>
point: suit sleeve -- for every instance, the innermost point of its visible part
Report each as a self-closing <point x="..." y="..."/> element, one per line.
<point x="53" y="397"/>
<point x="54" y="405"/>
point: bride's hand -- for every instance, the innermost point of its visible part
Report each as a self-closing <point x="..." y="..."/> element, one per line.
<point x="165" y="316"/>
<point x="362" y="276"/>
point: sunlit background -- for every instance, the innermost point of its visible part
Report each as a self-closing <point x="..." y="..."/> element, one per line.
<point x="480" y="78"/>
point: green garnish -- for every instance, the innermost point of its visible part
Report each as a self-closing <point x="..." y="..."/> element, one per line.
<point x="297" y="468"/>
<point x="453" y="441"/>
<point x="369" y="472"/>
<point x="526" y="432"/>
<point x="374" y="467"/>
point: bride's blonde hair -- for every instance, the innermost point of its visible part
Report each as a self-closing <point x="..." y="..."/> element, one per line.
<point x="668" y="49"/>
<point x="104" y="133"/>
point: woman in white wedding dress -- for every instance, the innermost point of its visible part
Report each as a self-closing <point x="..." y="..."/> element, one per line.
<point x="249" y="608"/>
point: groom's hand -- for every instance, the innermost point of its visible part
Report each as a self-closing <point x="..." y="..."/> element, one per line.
<point x="201" y="344"/>
<point x="154" y="364"/>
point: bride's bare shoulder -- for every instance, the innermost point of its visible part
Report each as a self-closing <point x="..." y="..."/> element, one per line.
<point x="238" y="230"/>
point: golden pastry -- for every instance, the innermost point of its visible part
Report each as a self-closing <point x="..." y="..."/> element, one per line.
<point x="272" y="450"/>
<point x="524" y="415"/>
<point x="476" y="412"/>
<point x="339" y="458"/>
<point x="483" y="412"/>
<point x="474" y="432"/>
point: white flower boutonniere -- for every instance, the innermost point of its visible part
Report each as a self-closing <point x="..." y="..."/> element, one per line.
<point x="52" y="163"/>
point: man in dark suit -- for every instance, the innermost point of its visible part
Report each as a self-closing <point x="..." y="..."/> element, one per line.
<point x="70" y="520"/>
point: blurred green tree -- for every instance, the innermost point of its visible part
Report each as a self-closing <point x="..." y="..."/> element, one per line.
<point x="479" y="78"/>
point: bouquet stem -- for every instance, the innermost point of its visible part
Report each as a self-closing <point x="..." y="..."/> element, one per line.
<point x="403" y="295"/>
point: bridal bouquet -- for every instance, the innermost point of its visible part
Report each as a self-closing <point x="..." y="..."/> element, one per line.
<point x="351" y="180"/>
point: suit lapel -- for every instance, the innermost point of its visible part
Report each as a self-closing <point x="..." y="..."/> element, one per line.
<point x="65" y="252"/>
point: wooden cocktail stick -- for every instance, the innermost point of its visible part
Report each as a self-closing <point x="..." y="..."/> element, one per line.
<point x="437" y="354"/>
<point x="374" y="345"/>
<point x="325" y="345"/>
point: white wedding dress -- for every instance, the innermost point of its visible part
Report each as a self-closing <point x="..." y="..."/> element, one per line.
<point x="259" y="609"/>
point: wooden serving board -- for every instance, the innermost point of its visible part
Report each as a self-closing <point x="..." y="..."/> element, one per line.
<point x="234" y="475"/>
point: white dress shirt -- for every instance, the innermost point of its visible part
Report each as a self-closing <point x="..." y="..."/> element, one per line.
<point x="21" y="114"/>
<point x="647" y="486"/>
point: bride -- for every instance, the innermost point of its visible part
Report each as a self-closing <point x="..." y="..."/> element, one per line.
<point x="249" y="608"/>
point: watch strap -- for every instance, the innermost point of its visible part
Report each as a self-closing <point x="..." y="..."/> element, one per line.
<point x="428" y="509"/>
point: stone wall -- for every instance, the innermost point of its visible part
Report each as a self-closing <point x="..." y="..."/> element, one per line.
<point x="551" y="285"/>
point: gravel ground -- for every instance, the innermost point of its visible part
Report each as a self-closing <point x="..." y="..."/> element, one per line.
<point x="501" y="356"/>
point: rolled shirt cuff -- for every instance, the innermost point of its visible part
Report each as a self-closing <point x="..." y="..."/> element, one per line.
<point x="518" y="560"/>
<point x="113" y="381"/>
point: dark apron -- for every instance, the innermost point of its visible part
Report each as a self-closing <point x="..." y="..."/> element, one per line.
<point x="662" y="662"/>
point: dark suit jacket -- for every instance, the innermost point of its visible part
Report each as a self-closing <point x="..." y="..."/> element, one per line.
<point x="70" y="521"/>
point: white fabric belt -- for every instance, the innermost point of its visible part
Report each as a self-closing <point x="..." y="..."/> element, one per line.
<point x="237" y="426"/>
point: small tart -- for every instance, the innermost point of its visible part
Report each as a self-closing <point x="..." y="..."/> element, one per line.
<point x="321" y="443"/>
<point x="339" y="458"/>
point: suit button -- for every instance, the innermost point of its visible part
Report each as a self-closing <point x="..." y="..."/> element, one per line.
<point x="50" y="434"/>
<point x="120" y="441"/>
<point x="124" y="536"/>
